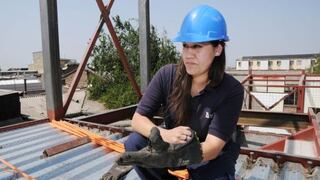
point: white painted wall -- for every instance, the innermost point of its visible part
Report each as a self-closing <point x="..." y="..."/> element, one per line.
<point x="312" y="95"/>
<point x="285" y="64"/>
<point x="242" y="65"/>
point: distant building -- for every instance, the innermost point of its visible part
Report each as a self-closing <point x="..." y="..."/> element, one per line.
<point x="20" y="79"/>
<point x="11" y="74"/>
<point x="277" y="62"/>
<point x="68" y="72"/>
<point x="37" y="64"/>
<point x="21" y="84"/>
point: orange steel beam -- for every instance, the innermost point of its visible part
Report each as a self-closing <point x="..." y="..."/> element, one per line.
<point x="180" y="174"/>
<point x="14" y="168"/>
<point x="116" y="146"/>
<point x="75" y="130"/>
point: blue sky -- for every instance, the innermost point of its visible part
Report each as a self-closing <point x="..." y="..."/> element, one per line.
<point x="265" y="27"/>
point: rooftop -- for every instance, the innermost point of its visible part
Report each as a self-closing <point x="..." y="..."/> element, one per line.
<point x="24" y="145"/>
<point x="269" y="57"/>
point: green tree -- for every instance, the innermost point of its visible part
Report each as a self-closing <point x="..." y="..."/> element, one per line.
<point x="110" y="85"/>
<point x="316" y="66"/>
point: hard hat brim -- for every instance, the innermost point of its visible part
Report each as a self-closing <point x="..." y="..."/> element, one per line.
<point x="194" y="38"/>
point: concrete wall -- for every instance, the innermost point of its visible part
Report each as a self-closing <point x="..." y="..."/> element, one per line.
<point x="37" y="64"/>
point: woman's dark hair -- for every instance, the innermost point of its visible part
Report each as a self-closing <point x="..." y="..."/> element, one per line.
<point x="180" y="96"/>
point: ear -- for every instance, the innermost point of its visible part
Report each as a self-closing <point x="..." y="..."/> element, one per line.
<point x="218" y="50"/>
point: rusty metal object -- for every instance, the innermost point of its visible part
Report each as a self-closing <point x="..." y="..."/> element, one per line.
<point x="280" y="157"/>
<point x="314" y="118"/>
<point x="81" y="67"/>
<point x="305" y="134"/>
<point x="111" y="116"/>
<point x="116" y="41"/>
<point x="55" y="114"/>
<point x="65" y="146"/>
<point x="296" y="121"/>
<point x="102" y="127"/>
<point x="22" y="125"/>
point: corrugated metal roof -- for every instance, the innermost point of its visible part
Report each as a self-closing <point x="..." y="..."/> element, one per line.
<point x="265" y="169"/>
<point x="35" y="106"/>
<point x="289" y="56"/>
<point x="24" y="147"/>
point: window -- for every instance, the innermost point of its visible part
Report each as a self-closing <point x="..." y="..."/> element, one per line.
<point x="291" y="63"/>
<point x="292" y="98"/>
<point x="258" y="63"/>
<point x="239" y="64"/>
<point x="299" y="62"/>
<point x="313" y="62"/>
<point x="278" y="63"/>
<point x="250" y="63"/>
<point x="270" y="63"/>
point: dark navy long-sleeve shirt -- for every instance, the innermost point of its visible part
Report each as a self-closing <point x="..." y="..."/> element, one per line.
<point x="215" y="110"/>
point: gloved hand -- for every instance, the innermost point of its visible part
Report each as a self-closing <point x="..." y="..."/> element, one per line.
<point x="161" y="154"/>
<point x="116" y="172"/>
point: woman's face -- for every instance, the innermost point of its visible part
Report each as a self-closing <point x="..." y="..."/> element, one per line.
<point x="198" y="57"/>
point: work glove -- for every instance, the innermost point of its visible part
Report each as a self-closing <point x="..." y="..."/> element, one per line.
<point x="160" y="154"/>
<point x="116" y="172"/>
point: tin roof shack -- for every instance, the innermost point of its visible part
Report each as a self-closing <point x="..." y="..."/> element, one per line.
<point x="9" y="104"/>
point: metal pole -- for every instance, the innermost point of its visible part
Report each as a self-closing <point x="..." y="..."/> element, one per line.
<point x="301" y="93"/>
<point x="250" y="88"/>
<point x="51" y="58"/>
<point x="25" y="85"/>
<point x="144" y="45"/>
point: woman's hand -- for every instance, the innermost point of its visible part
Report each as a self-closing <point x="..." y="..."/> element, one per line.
<point x="178" y="135"/>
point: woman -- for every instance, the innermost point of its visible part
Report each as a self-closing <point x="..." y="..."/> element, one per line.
<point x="196" y="94"/>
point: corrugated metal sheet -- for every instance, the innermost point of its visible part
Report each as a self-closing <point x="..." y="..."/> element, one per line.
<point x="265" y="169"/>
<point x="24" y="147"/>
<point x="256" y="140"/>
<point x="35" y="106"/>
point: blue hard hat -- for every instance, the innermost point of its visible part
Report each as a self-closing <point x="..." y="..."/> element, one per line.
<point x="202" y="24"/>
